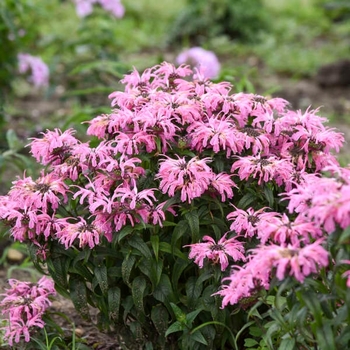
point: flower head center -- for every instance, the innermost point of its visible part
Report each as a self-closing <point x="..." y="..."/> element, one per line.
<point x="42" y="188"/>
<point x="217" y="247"/>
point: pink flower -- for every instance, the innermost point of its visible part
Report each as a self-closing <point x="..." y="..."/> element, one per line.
<point x="115" y="7"/>
<point x="85" y="7"/>
<point x="25" y="304"/>
<point x="200" y="58"/>
<point x="217" y="252"/>
<point x="40" y="71"/>
<point x="266" y="260"/>
<point x="47" y="190"/>
<point x="243" y="283"/>
<point x="222" y="184"/>
<point x="246" y="222"/>
<point x="282" y="230"/>
<point x="218" y="134"/>
<point x="291" y="260"/>
<point x="192" y="178"/>
<point x="54" y="147"/>
<point x="263" y="168"/>
<point x="86" y="233"/>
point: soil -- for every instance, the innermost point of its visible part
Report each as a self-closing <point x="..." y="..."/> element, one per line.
<point x="335" y="104"/>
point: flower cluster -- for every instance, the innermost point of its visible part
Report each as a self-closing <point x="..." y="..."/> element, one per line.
<point x="173" y="146"/>
<point x="85" y="7"/>
<point x="24" y="304"/>
<point x="39" y="70"/>
<point x="285" y="260"/>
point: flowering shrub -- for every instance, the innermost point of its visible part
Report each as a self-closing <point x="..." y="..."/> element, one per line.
<point x="24" y="304"/>
<point x="185" y="172"/>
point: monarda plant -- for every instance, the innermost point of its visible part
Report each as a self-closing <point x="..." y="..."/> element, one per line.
<point x="196" y="218"/>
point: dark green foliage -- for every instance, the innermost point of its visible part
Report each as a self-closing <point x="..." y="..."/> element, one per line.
<point x="202" y="20"/>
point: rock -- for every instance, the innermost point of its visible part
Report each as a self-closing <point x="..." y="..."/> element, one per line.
<point x="334" y="74"/>
<point x="14" y="255"/>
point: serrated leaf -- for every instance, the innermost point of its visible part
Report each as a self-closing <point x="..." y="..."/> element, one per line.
<point x="160" y="318"/>
<point x="78" y="295"/>
<point x="175" y="327"/>
<point x="101" y="276"/>
<point x="138" y="287"/>
<point x="127" y="266"/>
<point x="138" y="243"/>
<point x="114" y="302"/>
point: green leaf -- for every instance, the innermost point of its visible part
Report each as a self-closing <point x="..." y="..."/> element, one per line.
<point x="192" y="219"/>
<point x="114" y="302"/>
<point x="199" y="338"/>
<point x="287" y="344"/>
<point x="127" y="266"/>
<point x="138" y="288"/>
<point x="179" y="314"/>
<point x="175" y="327"/>
<point x="167" y="248"/>
<point x="249" y="342"/>
<point x="155" y="245"/>
<point x="101" y="276"/>
<point x="191" y="316"/>
<point x="325" y="336"/>
<point x="311" y="301"/>
<point x="58" y="269"/>
<point x="138" y="243"/>
<point x="136" y="330"/>
<point x="179" y="266"/>
<point x="125" y="231"/>
<point x="193" y="292"/>
<point x="152" y="269"/>
<point x="246" y="200"/>
<point x="13" y="141"/>
<point x="269" y="195"/>
<point x="78" y="295"/>
<point x="178" y="232"/>
<point x="160" y="318"/>
<point x="164" y="291"/>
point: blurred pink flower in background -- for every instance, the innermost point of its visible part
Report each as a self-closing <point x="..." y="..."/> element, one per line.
<point x="39" y="70"/>
<point x="85" y="7"/>
<point x="205" y="61"/>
